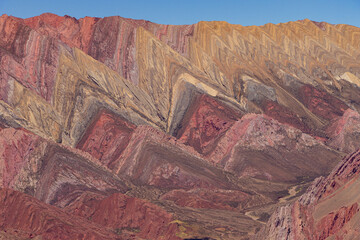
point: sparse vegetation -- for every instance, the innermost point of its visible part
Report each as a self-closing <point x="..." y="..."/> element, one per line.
<point x="264" y="217"/>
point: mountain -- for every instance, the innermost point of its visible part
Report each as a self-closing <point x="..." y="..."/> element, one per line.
<point x="328" y="210"/>
<point x="114" y="128"/>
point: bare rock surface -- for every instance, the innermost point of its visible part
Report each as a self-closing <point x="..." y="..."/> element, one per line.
<point x="114" y="128"/>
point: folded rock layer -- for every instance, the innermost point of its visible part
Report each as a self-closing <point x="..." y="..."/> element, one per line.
<point x="114" y="128"/>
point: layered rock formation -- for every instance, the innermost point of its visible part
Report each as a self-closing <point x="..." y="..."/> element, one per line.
<point x="119" y="128"/>
<point x="328" y="210"/>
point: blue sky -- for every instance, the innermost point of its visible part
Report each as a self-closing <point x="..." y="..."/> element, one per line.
<point x="248" y="12"/>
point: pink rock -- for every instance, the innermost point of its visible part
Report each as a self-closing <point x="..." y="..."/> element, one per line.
<point x="205" y="123"/>
<point x="344" y="131"/>
<point x="119" y="211"/>
<point x="16" y="147"/>
<point x="106" y="138"/>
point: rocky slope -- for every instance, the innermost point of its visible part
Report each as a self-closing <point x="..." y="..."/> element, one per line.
<point x="117" y="128"/>
<point x="328" y="210"/>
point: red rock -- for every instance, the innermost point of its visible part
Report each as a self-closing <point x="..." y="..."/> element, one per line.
<point x="106" y="138"/>
<point x="15" y="150"/>
<point x="157" y="159"/>
<point x="342" y="174"/>
<point x="27" y="52"/>
<point x="73" y="32"/>
<point x="215" y="156"/>
<point x="123" y="148"/>
<point x="284" y="115"/>
<point x="321" y="25"/>
<point x="329" y="208"/>
<point x="63" y="178"/>
<point x="321" y="103"/>
<point x="49" y="172"/>
<point x="210" y="199"/>
<point x="110" y="40"/>
<point x="119" y="211"/>
<point x="204" y="123"/>
<point x="344" y="132"/>
<point x="334" y="222"/>
<point x="259" y="146"/>
<point x="27" y="217"/>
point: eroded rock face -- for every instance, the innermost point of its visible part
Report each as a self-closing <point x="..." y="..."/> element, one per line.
<point x="17" y="147"/>
<point x="261" y="147"/>
<point x="334" y="222"/>
<point x="156" y="159"/>
<point x="122" y="128"/>
<point x="51" y="173"/>
<point x="27" y="57"/>
<point x="27" y="217"/>
<point x="321" y="103"/>
<point x="106" y="138"/>
<point x="122" y="213"/>
<point x="69" y="180"/>
<point x="344" y="132"/>
<point x="110" y="40"/>
<point x="329" y="208"/>
<point x="91" y="216"/>
<point x="284" y="115"/>
<point x="205" y="122"/>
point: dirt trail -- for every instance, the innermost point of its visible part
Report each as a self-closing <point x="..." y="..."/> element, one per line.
<point x="292" y="193"/>
<point x="253" y="217"/>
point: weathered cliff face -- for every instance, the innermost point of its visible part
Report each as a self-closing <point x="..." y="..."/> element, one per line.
<point x="78" y="185"/>
<point x="166" y="65"/>
<point x="26" y="217"/>
<point x="344" y="132"/>
<point x="328" y="210"/>
<point x="89" y="217"/>
<point x="121" y="128"/>
<point x="261" y="147"/>
<point x="126" y="214"/>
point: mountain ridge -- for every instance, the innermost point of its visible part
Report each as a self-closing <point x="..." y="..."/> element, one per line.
<point x="214" y="125"/>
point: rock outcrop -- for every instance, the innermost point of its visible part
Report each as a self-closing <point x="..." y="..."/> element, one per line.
<point x="328" y="210"/>
<point x="26" y="217"/>
<point x="261" y="147"/>
<point x="114" y="128"/>
<point x="344" y="132"/>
